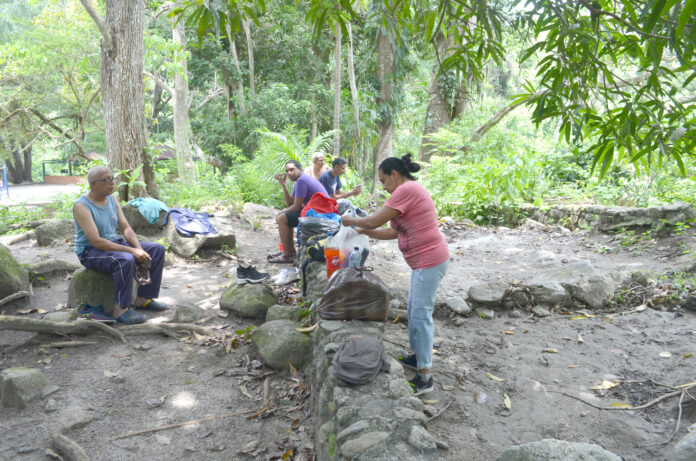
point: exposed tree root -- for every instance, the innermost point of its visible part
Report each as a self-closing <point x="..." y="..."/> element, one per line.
<point x="81" y="328"/>
<point x="185" y="423"/>
<point x="167" y="329"/>
<point x="13" y="296"/>
<point x="70" y="449"/>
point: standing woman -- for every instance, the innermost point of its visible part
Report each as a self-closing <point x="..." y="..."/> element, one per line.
<point x="411" y="213"/>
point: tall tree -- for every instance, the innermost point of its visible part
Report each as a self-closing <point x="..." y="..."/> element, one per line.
<point x="122" y="53"/>
<point x="250" y="56"/>
<point x="357" y="141"/>
<point x="182" y="122"/>
<point x="386" y="69"/>
<point x="337" y="92"/>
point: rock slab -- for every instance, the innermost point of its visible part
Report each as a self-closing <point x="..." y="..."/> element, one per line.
<point x="685" y="449"/>
<point x="93" y="288"/>
<point x="189" y="246"/>
<point x="557" y="450"/>
<point x="19" y="386"/>
<point x="278" y="343"/>
<point x="56" y="232"/>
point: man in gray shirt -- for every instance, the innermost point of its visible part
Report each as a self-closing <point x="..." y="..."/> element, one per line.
<point x="331" y="180"/>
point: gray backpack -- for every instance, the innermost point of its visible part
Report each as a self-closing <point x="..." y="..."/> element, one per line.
<point x="358" y="361"/>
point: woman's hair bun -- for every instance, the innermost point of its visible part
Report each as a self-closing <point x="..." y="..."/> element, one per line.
<point x="410" y="166"/>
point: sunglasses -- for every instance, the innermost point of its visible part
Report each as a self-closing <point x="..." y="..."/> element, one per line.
<point x="105" y="180"/>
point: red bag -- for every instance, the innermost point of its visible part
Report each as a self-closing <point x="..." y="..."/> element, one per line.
<point x="321" y="204"/>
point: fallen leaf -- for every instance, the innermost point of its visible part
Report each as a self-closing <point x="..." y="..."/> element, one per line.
<point x="430" y="402"/>
<point x="287" y="455"/>
<point x="295" y="423"/>
<point x="582" y="316"/>
<point x="26" y="311"/>
<point x="250" y="446"/>
<point x="445" y="387"/>
<point x="508" y="332"/>
<point x="641" y="308"/>
<point x="53" y="455"/>
<point x="607" y="320"/>
<point x="687" y="355"/>
<point x="110" y="374"/>
<point x="42" y="311"/>
<point x="188" y="286"/>
<point x="621" y="405"/>
<point x="605" y="385"/>
<point x="580" y="340"/>
<point x="223" y="314"/>
<point x="232" y="343"/>
<point x="293" y="370"/>
<point x="397" y="318"/>
<point x="185" y="339"/>
<point x="46" y="360"/>
<point x="575" y="365"/>
<point x="495" y="378"/>
<point x="665" y="354"/>
<point x="199" y="337"/>
<point x="550" y="350"/>
<point x="308" y="329"/>
<point x="243" y="390"/>
<point x="507" y="402"/>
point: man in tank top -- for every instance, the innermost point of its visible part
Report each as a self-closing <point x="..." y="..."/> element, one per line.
<point x="97" y="214"/>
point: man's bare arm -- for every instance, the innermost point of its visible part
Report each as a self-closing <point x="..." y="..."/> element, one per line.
<point x="86" y="222"/>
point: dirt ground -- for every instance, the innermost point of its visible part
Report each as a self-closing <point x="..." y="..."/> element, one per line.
<point x="165" y="380"/>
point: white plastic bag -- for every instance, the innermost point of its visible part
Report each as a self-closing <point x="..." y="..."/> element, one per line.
<point x="346" y="240"/>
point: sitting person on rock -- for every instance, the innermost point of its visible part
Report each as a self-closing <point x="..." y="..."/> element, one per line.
<point x="287" y="219"/>
<point x="331" y="180"/>
<point x="318" y="165"/>
<point x="97" y="214"/>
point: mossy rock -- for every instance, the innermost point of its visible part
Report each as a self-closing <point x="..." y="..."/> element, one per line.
<point x="249" y="300"/>
<point x="13" y="277"/>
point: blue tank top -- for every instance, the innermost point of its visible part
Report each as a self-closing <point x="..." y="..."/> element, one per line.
<point x="105" y="217"/>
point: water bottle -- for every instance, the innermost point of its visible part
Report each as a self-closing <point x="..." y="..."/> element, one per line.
<point x="355" y="258"/>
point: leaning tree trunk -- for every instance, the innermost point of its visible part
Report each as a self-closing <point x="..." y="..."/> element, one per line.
<point x="182" y="123"/>
<point x="122" y="91"/>
<point x="238" y="87"/>
<point x="356" y="104"/>
<point x="337" y="94"/>
<point x="27" y="163"/>
<point x="439" y="111"/>
<point x="250" y="52"/>
<point x="385" y="127"/>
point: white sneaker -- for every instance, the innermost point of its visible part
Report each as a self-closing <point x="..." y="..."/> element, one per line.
<point x="287" y="276"/>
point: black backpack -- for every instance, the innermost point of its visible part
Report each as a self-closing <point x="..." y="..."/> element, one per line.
<point x="359" y="360"/>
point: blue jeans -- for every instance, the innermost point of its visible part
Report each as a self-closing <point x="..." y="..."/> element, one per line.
<point x="421" y="301"/>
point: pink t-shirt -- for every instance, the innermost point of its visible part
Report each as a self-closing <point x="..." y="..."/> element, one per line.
<point x="420" y="240"/>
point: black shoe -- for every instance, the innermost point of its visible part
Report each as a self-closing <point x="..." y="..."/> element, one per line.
<point x="250" y="274"/>
<point x="409" y="362"/>
<point x="421" y="386"/>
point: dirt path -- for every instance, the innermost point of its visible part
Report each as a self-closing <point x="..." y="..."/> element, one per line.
<point x="166" y="381"/>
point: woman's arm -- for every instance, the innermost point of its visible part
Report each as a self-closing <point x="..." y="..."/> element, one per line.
<point x="383" y="216"/>
<point x="385" y="233"/>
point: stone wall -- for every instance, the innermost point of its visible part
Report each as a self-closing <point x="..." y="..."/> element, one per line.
<point x="380" y="420"/>
<point x="609" y="219"/>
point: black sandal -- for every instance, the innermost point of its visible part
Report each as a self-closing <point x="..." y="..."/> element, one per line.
<point x="274" y="255"/>
<point x="282" y="259"/>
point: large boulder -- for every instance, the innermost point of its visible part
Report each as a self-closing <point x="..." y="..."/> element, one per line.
<point x="189" y="246"/>
<point x="279" y="312"/>
<point x="138" y="222"/>
<point x="13" y="277"/>
<point x="19" y="386"/>
<point x="278" y="343"/>
<point x="489" y="293"/>
<point x="56" y="232"/>
<point x="251" y="300"/>
<point x="93" y="288"/>
<point x="557" y="450"/>
<point x="685" y="449"/>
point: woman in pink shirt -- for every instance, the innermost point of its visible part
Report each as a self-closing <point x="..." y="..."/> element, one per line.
<point x="411" y="213"/>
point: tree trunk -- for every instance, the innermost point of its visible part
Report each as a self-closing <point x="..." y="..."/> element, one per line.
<point x="356" y="103"/>
<point x="27" y="163"/>
<point x="122" y="92"/>
<point x="461" y="99"/>
<point x="439" y="111"/>
<point x="156" y="102"/>
<point x="250" y="52"/>
<point x="314" y="124"/>
<point x="238" y="87"/>
<point x="182" y="124"/>
<point x="337" y="94"/>
<point x="385" y="126"/>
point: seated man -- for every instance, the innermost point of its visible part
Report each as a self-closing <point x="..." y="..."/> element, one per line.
<point x="331" y="180"/>
<point x="303" y="190"/>
<point x="318" y="166"/>
<point x="96" y="215"/>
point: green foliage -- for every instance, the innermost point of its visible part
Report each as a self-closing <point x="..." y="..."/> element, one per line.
<point x="208" y="189"/>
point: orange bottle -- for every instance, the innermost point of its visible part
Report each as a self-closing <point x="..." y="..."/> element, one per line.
<point x="333" y="257"/>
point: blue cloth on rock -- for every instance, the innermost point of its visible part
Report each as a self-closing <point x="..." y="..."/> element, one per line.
<point x="189" y="223"/>
<point x="149" y="207"/>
